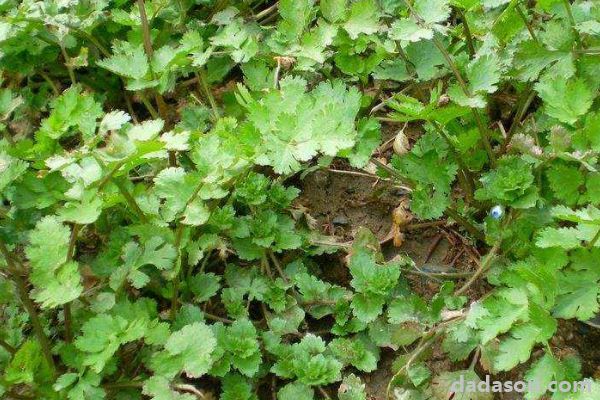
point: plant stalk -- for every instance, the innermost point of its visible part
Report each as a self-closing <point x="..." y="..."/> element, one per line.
<point x="468" y="34"/>
<point x="526" y="22"/>
<point x="594" y="240"/>
<point x="207" y="93"/>
<point x="569" y="11"/>
<point x="131" y="201"/>
<point x="465" y="223"/>
<point x="160" y="101"/>
<point x="7" y="346"/>
<point x="481" y="270"/>
<point x="68" y="64"/>
<point x="29" y="306"/>
<point x="176" y="279"/>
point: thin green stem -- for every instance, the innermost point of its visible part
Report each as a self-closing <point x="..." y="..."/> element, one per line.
<point x="108" y="177"/>
<point x="217" y="318"/>
<point x="145" y="29"/>
<point x="523" y="104"/>
<point x="277" y="265"/>
<point x="472" y="229"/>
<point x="29" y="306"/>
<point x="481" y="270"/>
<point x="569" y="11"/>
<point x="468" y="34"/>
<point x="147" y="39"/>
<point x="68" y="64"/>
<point x="130" y="201"/>
<point x="7" y="346"/>
<point x="447" y="275"/>
<point x="175" y="296"/>
<point x="452" y="65"/>
<point x="526" y="22"/>
<point x="589" y="50"/>
<point x="266" y="12"/>
<point x="390" y="170"/>
<point x="424" y="344"/>
<point x="50" y="82"/>
<point x="209" y="96"/>
<point x="485" y="137"/>
<point x="101" y="48"/>
<point x="594" y="240"/>
<point x="122" y="385"/>
<point x="148" y="106"/>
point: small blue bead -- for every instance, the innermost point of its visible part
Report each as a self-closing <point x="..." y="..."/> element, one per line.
<point x="496" y="212"/>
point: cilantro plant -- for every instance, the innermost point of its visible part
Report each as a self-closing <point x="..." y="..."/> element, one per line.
<point x="153" y="244"/>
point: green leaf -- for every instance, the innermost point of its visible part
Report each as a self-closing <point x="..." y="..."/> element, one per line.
<point x="240" y="341"/>
<point x="511" y="183"/>
<point x="484" y="73"/>
<point x="542" y="372"/>
<point x="565" y="181"/>
<point x="367" y="140"/>
<point x="433" y="11"/>
<point x="159" y="388"/>
<point x="565" y="100"/>
<point x="408" y="30"/>
<point x="85" y="211"/>
<point x="127" y="62"/>
<point x="103" y="334"/>
<point x="295" y="126"/>
<point x="579" y="295"/>
<point x="367" y="307"/>
<point x="418" y="373"/>
<point x="188" y="350"/>
<point x="204" y="286"/>
<point x="146" y="130"/>
<point x="517" y="348"/>
<point x="28" y="365"/>
<point x="296" y="391"/>
<point x="354" y="352"/>
<point x="532" y="58"/>
<point x="352" y="388"/>
<point x="235" y="387"/>
<point x="177" y="188"/>
<point x="306" y="361"/>
<point x="155" y="252"/>
<point x="72" y="109"/>
<point x="364" y="18"/>
<point x="333" y="10"/>
<point x="11" y="169"/>
<point x="370" y="278"/>
<point x="56" y="281"/>
<point x="296" y="15"/>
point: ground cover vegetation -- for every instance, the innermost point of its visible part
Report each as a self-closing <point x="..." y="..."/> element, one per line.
<point x="153" y="151"/>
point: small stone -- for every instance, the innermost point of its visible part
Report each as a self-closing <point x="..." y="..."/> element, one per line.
<point x="340" y="220"/>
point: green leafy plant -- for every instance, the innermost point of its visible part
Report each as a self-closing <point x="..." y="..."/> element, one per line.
<point x="154" y="242"/>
